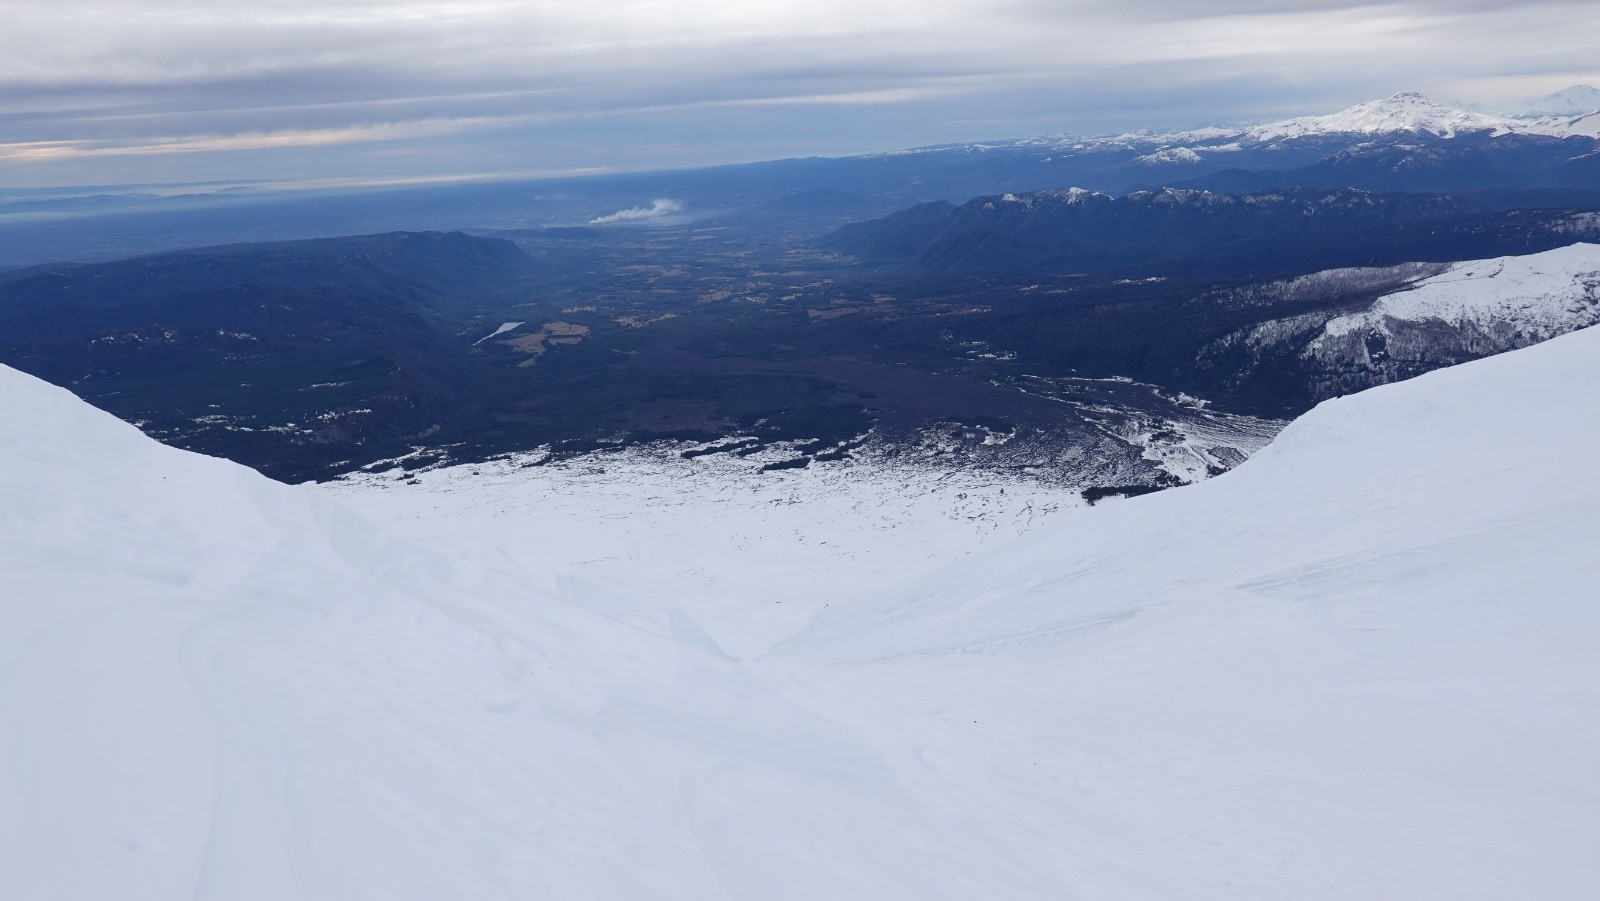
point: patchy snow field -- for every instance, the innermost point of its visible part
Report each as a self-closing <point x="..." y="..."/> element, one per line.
<point x="1359" y="666"/>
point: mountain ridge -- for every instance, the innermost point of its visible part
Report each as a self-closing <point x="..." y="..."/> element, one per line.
<point x="1404" y="112"/>
<point x="1182" y="231"/>
<point x="1402" y="143"/>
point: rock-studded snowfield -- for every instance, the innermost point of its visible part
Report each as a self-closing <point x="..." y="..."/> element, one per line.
<point x="1360" y="665"/>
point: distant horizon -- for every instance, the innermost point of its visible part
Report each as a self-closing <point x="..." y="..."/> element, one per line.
<point x="290" y="184"/>
<point x="162" y="92"/>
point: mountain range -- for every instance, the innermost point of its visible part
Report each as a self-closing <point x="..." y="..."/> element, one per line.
<point x="1401" y="143"/>
<point x="1177" y="231"/>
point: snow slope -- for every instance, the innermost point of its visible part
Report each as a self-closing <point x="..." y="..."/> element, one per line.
<point x="758" y="552"/>
<point x="1544" y="294"/>
<point x="1360" y="665"/>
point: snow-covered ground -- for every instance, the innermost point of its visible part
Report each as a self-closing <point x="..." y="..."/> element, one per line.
<point x="1359" y="665"/>
<point x="758" y="553"/>
<point x="1541" y="294"/>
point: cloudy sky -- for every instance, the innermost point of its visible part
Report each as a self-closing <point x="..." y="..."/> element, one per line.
<point x="126" y="91"/>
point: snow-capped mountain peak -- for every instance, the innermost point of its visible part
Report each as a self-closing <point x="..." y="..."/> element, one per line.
<point x="1574" y="101"/>
<point x="1406" y="111"/>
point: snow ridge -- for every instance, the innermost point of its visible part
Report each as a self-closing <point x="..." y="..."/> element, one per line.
<point x="1543" y="295"/>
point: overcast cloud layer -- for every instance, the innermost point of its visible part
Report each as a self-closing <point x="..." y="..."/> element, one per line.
<point x="122" y="91"/>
